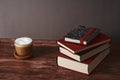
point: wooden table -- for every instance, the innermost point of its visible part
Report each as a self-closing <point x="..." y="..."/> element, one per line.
<point x="43" y="65"/>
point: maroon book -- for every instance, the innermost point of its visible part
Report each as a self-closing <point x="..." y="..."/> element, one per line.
<point x="83" y="55"/>
<point x="86" y="66"/>
<point x="75" y="48"/>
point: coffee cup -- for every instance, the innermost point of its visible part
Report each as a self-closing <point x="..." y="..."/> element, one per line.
<point x="23" y="46"/>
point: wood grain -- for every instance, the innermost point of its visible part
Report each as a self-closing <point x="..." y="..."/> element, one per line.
<point x="43" y="66"/>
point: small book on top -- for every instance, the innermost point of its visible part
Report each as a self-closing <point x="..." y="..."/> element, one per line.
<point x="82" y="35"/>
<point x="86" y="66"/>
<point x="75" y="48"/>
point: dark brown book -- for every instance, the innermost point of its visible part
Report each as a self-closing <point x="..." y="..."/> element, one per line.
<point x="83" y="55"/>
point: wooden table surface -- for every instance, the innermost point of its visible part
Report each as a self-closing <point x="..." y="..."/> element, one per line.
<point x="43" y="65"/>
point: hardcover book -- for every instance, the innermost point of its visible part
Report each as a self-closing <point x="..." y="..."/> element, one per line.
<point x="83" y="55"/>
<point x="75" y="48"/>
<point x="82" y="35"/>
<point x="86" y="66"/>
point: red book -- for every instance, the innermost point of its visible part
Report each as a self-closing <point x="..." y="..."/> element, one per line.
<point x="86" y="66"/>
<point x="83" y="55"/>
<point x="75" y="48"/>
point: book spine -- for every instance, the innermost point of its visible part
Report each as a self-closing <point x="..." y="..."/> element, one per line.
<point x="91" y="36"/>
<point x="87" y="35"/>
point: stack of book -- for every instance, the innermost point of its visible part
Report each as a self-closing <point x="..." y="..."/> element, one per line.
<point x="82" y="49"/>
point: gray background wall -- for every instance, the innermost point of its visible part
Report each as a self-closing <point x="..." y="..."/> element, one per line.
<point x="51" y="19"/>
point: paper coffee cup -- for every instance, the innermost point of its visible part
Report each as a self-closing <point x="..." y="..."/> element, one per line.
<point x="23" y="46"/>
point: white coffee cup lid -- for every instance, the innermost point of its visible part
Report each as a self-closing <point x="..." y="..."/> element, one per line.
<point x="23" y="41"/>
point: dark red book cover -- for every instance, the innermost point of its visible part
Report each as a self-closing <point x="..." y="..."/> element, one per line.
<point x="75" y="48"/>
<point x="85" y="62"/>
<point x="86" y="66"/>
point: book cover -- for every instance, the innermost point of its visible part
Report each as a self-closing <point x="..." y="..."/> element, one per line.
<point x="82" y="35"/>
<point x="83" y="55"/>
<point x="75" y="48"/>
<point x="86" y="66"/>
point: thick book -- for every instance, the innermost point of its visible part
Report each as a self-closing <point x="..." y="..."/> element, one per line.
<point x="86" y="66"/>
<point x="83" y="55"/>
<point x="75" y="48"/>
<point x="82" y="35"/>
